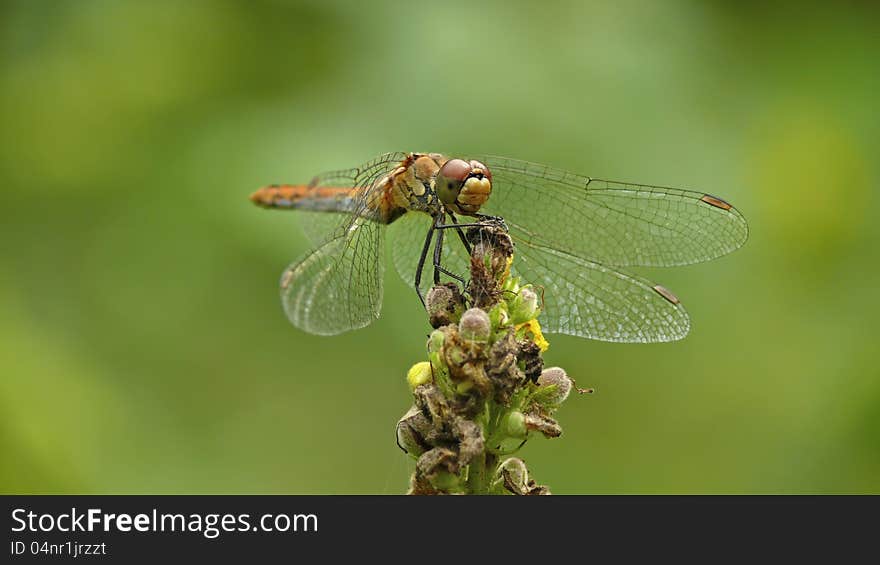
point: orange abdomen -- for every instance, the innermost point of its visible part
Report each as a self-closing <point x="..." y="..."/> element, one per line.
<point x="302" y="196"/>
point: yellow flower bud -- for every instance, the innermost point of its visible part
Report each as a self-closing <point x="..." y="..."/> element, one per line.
<point x="419" y="374"/>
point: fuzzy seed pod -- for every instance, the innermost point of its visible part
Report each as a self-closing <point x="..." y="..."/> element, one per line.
<point x="555" y="376"/>
<point x="474" y="326"/>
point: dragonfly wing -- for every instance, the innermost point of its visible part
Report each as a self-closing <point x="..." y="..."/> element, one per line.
<point x="609" y="222"/>
<point x="587" y="299"/>
<point x="338" y="286"/>
<point x="321" y="226"/>
<point x="407" y="235"/>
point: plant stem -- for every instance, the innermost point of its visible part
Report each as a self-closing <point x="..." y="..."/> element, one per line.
<point x="476" y="483"/>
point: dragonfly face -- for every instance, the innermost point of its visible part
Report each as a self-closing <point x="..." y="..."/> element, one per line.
<point x="575" y="236"/>
<point x="463" y="186"/>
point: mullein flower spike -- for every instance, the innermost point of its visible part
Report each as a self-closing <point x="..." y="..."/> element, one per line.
<point x="483" y="391"/>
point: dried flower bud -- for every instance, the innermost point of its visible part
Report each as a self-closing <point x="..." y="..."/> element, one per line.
<point x="557" y="378"/>
<point x="419" y="374"/>
<point x="470" y="439"/>
<point x="475" y="326"/>
<point x="454" y="356"/>
<point x="410" y="432"/>
<point x="543" y="423"/>
<point x="515" y="475"/>
<point x="439" y="465"/>
<point x="444" y="304"/>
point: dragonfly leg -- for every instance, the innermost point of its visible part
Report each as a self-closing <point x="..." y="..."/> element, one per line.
<point x="460" y="232"/>
<point x="470" y="225"/>
<point x="450" y="274"/>
<point x="438" y="255"/>
<point x="422" y="258"/>
<point x="438" y="251"/>
<point x="488" y="223"/>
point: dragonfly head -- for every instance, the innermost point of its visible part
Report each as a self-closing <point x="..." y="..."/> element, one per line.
<point x="463" y="186"/>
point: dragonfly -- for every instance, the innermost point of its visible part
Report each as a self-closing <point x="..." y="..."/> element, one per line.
<point x="576" y="237"/>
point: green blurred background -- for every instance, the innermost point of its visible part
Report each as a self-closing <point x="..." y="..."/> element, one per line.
<point x="142" y="344"/>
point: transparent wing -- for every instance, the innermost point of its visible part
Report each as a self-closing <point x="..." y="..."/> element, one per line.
<point x="319" y="227"/>
<point x="586" y="299"/>
<point x="407" y="235"/>
<point x="338" y="286"/>
<point x="611" y="223"/>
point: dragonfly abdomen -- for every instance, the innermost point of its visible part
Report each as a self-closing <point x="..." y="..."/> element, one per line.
<point x="305" y="197"/>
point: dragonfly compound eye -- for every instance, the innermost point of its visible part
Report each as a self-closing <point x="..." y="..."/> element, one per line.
<point x="451" y="178"/>
<point x="456" y="170"/>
